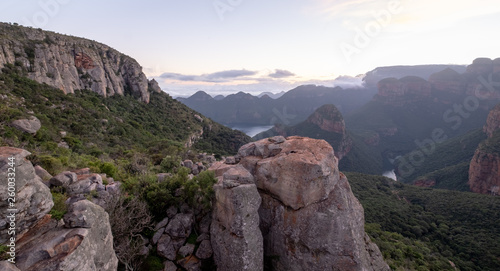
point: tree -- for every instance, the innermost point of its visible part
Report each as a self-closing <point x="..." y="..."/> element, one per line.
<point x="128" y="217"/>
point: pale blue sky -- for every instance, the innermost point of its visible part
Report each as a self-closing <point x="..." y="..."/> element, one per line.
<point x="256" y="45"/>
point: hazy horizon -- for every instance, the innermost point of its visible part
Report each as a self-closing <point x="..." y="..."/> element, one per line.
<point x="258" y="46"/>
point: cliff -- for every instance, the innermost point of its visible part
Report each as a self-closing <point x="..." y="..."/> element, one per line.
<point x="484" y="168"/>
<point x="71" y="63"/>
<point x="325" y="123"/>
<point x="308" y="217"/>
<point x="81" y="241"/>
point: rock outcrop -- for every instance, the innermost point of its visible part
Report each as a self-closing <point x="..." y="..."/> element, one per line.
<point x="309" y="218"/>
<point x="71" y="63"/>
<point x="400" y="92"/>
<point x="84" y="242"/>
<point x="484" y="168"/>
<point x="235" y="236"/>
<point x="31" y="125"/>
<point x="31" y="199"/>
<point x="493" y="121"/>
<point x="325" y="123"/>
<point x="484" y="172"/>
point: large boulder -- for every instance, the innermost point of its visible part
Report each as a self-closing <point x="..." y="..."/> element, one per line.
<point x="84" y="242"/>
<point x="309" y="218"/>
<point x="31" y="125"/>
<point x="299" y="171"/>
<point x="32" y="198"/>
<point x="235" y="236"/>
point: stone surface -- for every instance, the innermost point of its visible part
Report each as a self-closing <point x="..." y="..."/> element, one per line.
<point x="235" y="237"/>
<point x="33" y="198"/>
<point x="493" y="121"/>
<point x="167" y="247"/>
<point x="84" y="184"/>
<point x="298" y="172"/>
<point x="70" y="63"/>
<point x="169" y="266"/>
<point x="7" y="266"/>
<point x="161" y="224"/>
<point x="43" y="174"/>
<point x="31" y="125"/>
<point x="63" y="179"/>
<point x="204" y="250"/>
<point x="484" y="173"/>
<point x="309" y="219"/>
<point x="190" y="263"/>
<point x="49" y="246"/>
<point x="322" y="236"/>
<point x="157" y="236"/>
<point x="186" y="250"/>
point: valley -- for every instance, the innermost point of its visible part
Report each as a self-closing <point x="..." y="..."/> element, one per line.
<point x="398" y="173"/>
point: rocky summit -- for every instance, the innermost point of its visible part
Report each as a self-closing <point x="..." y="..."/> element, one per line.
<point x="484" y="168"/>
<point x="71" y="63"/>
<point x="303" y="206"/>
<point x="80" y="241"/>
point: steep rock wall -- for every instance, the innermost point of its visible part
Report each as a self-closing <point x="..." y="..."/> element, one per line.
<point x="71" y="63"/>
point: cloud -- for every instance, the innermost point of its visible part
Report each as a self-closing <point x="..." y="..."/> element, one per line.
<point x="216" y="77"/>
<point x="230" y="74"/>
<point x="178" y="76"/>
<point x="281" y="73"/>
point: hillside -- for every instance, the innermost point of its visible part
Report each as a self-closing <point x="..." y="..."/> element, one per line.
<point x="92" y="125"/>
<point x="325" y="123"/>
<point x="447" y="166"/>
<point x="291" y="108"/>
<point x="429" y="229"/>
<point x="70" y="63"/>
<point x="409" y="112"/>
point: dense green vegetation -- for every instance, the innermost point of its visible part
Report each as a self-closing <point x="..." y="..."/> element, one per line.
<point x="428" y="229"/>
<point x="401" y="127"/>
<point x="446" y="163"/>
<point x="122" y="137"/>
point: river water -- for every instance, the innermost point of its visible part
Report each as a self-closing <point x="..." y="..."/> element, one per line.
<point x="251" y="130"/>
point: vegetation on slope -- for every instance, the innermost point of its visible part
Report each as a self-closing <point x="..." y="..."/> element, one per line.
<point x="447" y="163"/>
<point x="429" y="229"/>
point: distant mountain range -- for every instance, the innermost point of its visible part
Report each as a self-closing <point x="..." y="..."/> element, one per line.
<point x="294" y="106"/>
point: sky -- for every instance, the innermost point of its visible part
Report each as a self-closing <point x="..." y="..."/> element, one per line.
<point x="226" y="46"/>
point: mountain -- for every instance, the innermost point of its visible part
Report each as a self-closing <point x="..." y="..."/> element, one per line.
<point x="484" y="169"/>
<point x="291" y="108"/>
<point x="272" y="95"/>
<point x="70" y="63"/>
<point x="92" y="98"/>
<point x="424" y="71"/>
<point x="411" y="113"/>
<point x="325" y="123"/>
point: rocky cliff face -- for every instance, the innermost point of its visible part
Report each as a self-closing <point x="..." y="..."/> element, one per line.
<point x="32" y="198"/>
<point x="309" y="218"/>
<point x="480" y="79"/>
<point x="325" y="123"/>
<point x="484" y="173"/>
<point x="82" y="241"/>
<point x="71" y="63"/>
<point x="484" y="168"/>
<point x="493" y="121"/>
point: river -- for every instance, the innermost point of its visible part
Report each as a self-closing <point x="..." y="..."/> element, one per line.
<point x="251" y="130"/>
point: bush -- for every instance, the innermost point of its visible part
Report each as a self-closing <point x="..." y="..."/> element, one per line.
<point x="51" y="164"/>
<point x="60" y="208"/>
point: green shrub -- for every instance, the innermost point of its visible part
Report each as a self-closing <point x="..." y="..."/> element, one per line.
<point x="152" y="263"/>
<point x="60" y="207"/>
<point x="53" y="165"/>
